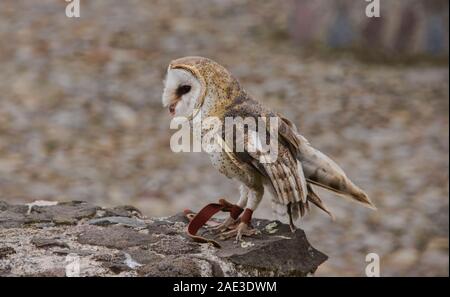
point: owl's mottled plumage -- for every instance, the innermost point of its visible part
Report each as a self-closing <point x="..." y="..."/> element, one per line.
<point x="298" y="165"/>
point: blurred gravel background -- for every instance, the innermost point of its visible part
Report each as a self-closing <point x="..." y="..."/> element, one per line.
<point x="81" y="119"/>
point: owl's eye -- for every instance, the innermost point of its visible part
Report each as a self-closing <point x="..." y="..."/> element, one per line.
<point x="183" y="89"/>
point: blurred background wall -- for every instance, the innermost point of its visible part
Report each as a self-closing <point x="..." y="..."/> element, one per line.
<point x="81" y="115"/>
<point x="405" y="29"/>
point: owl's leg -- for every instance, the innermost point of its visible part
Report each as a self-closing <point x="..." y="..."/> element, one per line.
<point x="233" y="218"/>
<point x="244" y="229"/>
<point x="291" y="221"/>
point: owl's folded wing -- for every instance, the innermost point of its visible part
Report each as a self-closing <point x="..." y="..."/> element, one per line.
<point x="279" y="166"/>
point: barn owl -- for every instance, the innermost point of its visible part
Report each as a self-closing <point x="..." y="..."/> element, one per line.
<point x="196" y="84"/>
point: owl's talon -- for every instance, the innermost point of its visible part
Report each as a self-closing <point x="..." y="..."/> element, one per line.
<point x="224" y="226"/>
<point x="242" y="230"/>
<point x="245" y="230"/>
<point x="228" y="234"/>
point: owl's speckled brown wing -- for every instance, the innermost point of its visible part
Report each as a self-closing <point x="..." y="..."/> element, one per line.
<point x="286" y="179"/>
<point x="283" y="172"/>
<point x="285" y="176"/>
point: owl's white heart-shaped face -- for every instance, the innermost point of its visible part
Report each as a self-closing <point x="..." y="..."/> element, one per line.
<point x="181" y="92"/>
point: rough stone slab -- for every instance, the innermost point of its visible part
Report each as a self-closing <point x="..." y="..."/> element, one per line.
<point x="5" y="251"/>
<point x="274" y="251"/>
<point x="123" y="211"/>
<point x="47" y="242"/>
<point x="175" y="245"/>
<point x="124" y="221"/>
<point x="11" y="219"/>
<point x="115" y="263"/>
<point x="15" y="216"/>
<point x="117" y="237"/>
<point x="172" y="266"/>
<point x="143" y="255"/>
<point x="285" y="253"/>
<point x="73" y="251"/>
<point x="128" y="244"/>
<point x="74" y="210"/>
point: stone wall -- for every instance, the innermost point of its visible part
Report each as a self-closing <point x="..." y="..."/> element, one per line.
<point x="80" y="239"/>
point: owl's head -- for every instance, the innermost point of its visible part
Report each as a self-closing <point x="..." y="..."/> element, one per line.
<point x="184" y="88"/>
<point x="190" y="79"/>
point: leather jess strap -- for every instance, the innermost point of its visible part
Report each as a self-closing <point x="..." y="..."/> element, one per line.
<point x="202" y="217"/>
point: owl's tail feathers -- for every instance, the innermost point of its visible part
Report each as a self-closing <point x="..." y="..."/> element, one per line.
<point x="352" y="191"/>
<point x="362" y="198"/>
<point x="356" y="195"/>
<point x="345" y="188"/>
<point x="298" y="209"/>
<point x="315" y="199"/>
